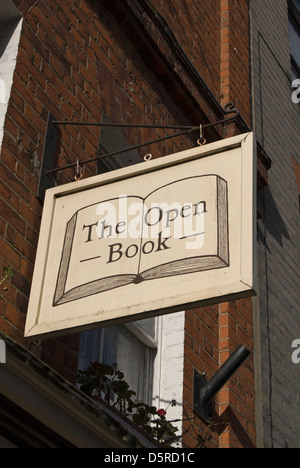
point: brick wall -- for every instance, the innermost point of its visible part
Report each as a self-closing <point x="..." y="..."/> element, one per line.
<point x="197" y="28"/>
<point x="235" y="56"/>
<point x="202" y="354"/>
<point x="212" y="334"/>
<point x="78" y="64"/>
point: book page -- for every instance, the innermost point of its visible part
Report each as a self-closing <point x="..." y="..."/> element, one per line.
<point x="184" y="234"/>
<point x="98" y="253"/>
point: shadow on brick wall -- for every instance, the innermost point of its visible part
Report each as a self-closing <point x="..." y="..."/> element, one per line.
<point x="271" y="218"/>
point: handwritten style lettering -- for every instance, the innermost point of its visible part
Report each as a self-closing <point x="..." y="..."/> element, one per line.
<point x="157" y="214"/>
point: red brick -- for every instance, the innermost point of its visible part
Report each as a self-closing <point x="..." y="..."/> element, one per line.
<point x="14" y="316"/>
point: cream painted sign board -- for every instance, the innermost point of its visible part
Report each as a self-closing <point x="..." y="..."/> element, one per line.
<point x="157" y="237"/>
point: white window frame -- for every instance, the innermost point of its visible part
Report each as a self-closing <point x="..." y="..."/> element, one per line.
<point x="168" y="371"/>
<point x="150" y="344"/>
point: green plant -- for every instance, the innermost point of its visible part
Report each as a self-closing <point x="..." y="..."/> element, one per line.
<point x="7" y="273"/>
<point x="108" y="383"/>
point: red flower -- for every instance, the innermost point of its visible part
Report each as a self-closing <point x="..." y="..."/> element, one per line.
<point x="161" y="412"/>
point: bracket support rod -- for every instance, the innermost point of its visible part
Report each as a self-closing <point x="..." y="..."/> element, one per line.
<point x="228" y="109"/>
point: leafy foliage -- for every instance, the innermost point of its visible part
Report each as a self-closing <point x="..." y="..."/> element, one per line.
<point x="7" y="272"/>
<point x="108" y="383"/>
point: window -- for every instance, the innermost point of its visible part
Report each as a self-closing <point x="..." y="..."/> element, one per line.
<point x="294" y="31"/>
<point x="112" y="140"/>
<point x="131" y="346"/>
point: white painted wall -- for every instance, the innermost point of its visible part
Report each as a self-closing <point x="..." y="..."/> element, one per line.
<point x="168" y="366"/>
<point x="2" y="352"/>
<point x="10" y="31"/>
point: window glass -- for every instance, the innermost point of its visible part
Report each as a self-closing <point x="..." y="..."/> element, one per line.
<point x="132" y="356"/>
<point x="294" y="33"/>
<point x="148" y="325"/>
<point x="297" y="4"/>
<point x="117" y="345"/>
<point x="295" y="74"/>
<point x="89" y="349"/>
<point x="295" y="41"/>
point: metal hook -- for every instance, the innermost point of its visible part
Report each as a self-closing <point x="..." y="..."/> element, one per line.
<point x="201" y="140"/>
<point x="148" y="157"/>
<point x="231" y="109"/>
<point x="78" y="172"/>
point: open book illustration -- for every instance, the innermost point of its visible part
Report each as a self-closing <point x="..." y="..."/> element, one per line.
<point x="179" y="228"/>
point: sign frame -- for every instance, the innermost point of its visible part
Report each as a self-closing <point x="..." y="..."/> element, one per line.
<point x="244" y="284"/>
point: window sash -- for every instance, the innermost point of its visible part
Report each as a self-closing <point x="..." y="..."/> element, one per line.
<point x="296" y="3"/>
<point x="132" y="354"/>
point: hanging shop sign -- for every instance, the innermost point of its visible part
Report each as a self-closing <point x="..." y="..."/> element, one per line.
<point x="160" y="236"/>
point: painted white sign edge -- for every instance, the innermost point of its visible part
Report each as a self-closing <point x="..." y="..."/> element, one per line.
<point x="245" y="287"/>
